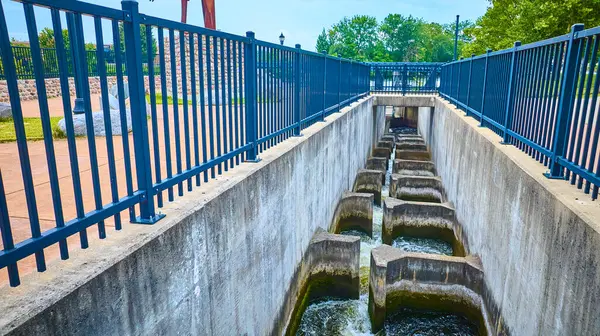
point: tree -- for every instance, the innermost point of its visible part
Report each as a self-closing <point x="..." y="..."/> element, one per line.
<point x="323" y="43"/>
<point x="153" y="47"/>
<point x="354" y="38"/>
<point x="507" y="21"/>
<point x="46" y="38"/>
<point x="396" y="39"/>
<point x="401" y="35"/>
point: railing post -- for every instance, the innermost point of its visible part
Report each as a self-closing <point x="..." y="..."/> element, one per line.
<point x="469" y="85"/>
<point x="565" y="104"/>
<point x="340" y="86"/>
<point x="487" y="58"/>
<point x="378" y="78"/>
<point x="404" y="79"/>
<point x="139" y="122"/>
<point x="508" y="111"/>
<point x="324" y="85"/>
<point x="250" y="97"/>
<point x="297" y="117"/>
<point x="458" y="80"/>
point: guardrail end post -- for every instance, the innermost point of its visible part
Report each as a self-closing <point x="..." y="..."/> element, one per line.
<point x="297" y="83"/>
<point x="139" y="122"/>
<point x="250" y="98"/>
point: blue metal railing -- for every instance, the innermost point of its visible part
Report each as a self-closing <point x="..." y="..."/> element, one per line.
<point x="540" y="97"/>
<point x="405" y="77"/>
<point x="224" y="101"/>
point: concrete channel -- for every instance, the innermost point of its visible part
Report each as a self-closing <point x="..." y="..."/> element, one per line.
<point x="407" y="282"/>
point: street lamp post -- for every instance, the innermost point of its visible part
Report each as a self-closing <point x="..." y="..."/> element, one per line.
<point x="281" y="39"/>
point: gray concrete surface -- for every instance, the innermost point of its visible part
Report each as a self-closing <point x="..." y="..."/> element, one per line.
<point x="398" y="100"/>
<point x="354" y="212"/>
<point x="377" y="163"/>
<point x="538" y="239"/>
<point x="421" y="219"/>
<point x="413" y="155"/>
<point x="369" y="181"/>
<point x="222" y="260"/>
<point x="399" y="278"/>
<point x="414" y="168"/>
<point x="417" y="188"/>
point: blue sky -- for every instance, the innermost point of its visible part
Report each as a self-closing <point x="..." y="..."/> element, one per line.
<point x="301" y="21"/>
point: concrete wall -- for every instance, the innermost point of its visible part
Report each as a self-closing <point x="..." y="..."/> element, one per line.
<point x="538" y="239"/>
<point x="222" y="260"/>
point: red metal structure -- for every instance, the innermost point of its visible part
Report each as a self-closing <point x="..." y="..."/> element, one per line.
<point x="208" y="9"/>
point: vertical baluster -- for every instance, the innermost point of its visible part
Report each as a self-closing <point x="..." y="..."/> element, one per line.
<point x="223" y="102"/>
<point x="165" y="105"/>
<point x="236" y="99"/>
<point x="122" y="113"/>
<point x="110" y="151"/>
<point x="230" y="104"/>
<point x="64" y="86"/>
<point x="219" y="138"/>
<point x="184" y="96"/>
<point x="192" y="47"/>
<point x="203" y="88"/>
<point x="210" y="55"/>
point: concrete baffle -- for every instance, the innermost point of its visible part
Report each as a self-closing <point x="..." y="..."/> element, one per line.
<point x="382" y="152"/>
<point x="417" y="188"/>
<point x="378" y="163"/>
<point x="421" y="219"/>
<point x="330" y="267"/>
<point x="354" y="212"/>
<point x="401" y="279"/>
<point x="369" y="181"/>
<point x="414" y="168"/>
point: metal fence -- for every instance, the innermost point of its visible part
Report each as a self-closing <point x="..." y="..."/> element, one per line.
<point x="246" y="96"/>
<point x="412" y="78"/>
<point x="24" y="63"/>
<point x="540" y="97"/>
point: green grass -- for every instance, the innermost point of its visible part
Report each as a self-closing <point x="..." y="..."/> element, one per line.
<point x="33" y="129"/>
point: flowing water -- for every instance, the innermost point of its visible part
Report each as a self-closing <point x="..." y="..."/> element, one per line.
<point x="331" y="316"/>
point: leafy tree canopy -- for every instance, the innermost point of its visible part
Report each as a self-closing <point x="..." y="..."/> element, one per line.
<point x="507" y="21"/>
<point x="396" y="39"/>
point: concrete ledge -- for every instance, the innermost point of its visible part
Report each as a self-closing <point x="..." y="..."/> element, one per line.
<point x="383" y="99"/>
<point x="413" y="155"/>
<point x="402" y="279"/>
<point x="417" y="188"/>
<point x="369" y="181"/>
<point x="354" y="212"/>
<point x="377" y="163"/>
<point x="414" y="168"/>
<point x="330" y="268"/>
